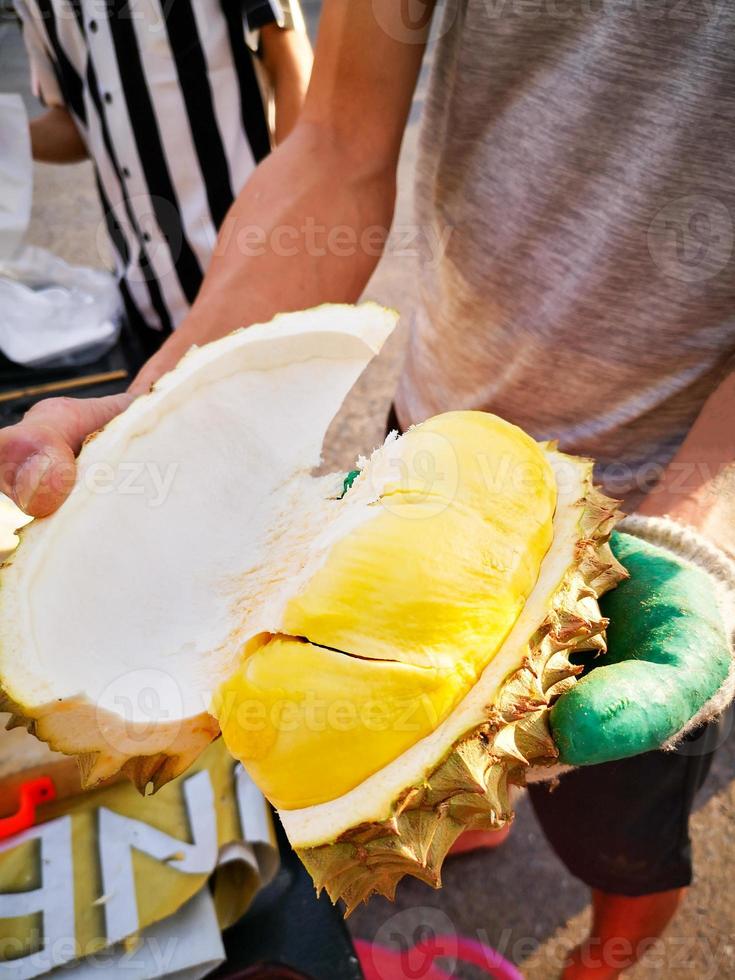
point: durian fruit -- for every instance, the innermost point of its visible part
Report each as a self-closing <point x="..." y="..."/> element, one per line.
<point x="382" y="660"/>
<point x="121" y="612"/>
<point x="410" y="682"/>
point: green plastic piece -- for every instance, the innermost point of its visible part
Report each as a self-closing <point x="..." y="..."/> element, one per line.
<point x="348" y="481"/>
<point x="667" y="655"/>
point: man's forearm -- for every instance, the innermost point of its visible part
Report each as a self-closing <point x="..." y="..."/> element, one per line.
<point x="310" y="224"/>
<point x="308" y="228"/>
<point x="698" y="486"/>
<point x="55" y="138"/>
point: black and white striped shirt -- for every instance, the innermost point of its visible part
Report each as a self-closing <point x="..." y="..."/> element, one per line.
<point x="166" y="97"/>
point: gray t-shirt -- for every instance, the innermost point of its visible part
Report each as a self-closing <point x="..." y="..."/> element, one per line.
<point x="582" y="152"/>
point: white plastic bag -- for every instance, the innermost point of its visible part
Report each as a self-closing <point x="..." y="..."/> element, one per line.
<point x="56" y="314"/>
<point x="52" y="314"/>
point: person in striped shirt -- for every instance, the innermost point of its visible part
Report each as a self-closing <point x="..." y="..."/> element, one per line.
<point x="171" y="102"/>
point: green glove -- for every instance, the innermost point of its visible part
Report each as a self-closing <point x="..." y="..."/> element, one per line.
<point x="668" y="654"/>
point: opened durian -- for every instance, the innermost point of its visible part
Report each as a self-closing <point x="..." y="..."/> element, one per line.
<point x="381" y="659"/>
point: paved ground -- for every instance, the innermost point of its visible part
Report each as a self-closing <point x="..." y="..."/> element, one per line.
<point x="519" y="898"/>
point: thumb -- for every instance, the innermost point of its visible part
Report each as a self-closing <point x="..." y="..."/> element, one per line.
<point x="37" y="456"/>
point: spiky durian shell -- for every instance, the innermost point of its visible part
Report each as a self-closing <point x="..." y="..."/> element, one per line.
<point x="469" y="788"/>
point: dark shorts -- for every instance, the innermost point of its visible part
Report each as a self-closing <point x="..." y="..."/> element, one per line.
<point x="623" y="827"/>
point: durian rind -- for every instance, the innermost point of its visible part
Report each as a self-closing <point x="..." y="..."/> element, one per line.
<point x="470" y="787"/>
<point x="179" y="746"/>
<point x="318" y="354"/>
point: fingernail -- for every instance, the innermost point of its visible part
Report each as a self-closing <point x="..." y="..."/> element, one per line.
<point x="29" y="478"/>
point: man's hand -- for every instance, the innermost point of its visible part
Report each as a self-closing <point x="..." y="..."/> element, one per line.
<point x="37" y="456"/>
<point x="668" y="654"/>
<point x="55" y="137"/>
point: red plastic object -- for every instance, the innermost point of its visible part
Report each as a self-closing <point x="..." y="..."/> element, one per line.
<point x="417" y="963"/>
<point x="32" y="794"/>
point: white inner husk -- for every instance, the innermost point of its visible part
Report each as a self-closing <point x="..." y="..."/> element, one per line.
<point x="138" y="595"/>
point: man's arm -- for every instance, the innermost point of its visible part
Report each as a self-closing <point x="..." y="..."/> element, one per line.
<point x="287" y="59"/>
<point x="284" y="243"/>
<point x="307" y="228"/>
<point x="55" y="137"/>
<point x="698" y="486"/>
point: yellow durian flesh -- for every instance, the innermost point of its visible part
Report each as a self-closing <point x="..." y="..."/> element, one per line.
<point x="408" y="606"/>
<point x="308" y="722"/>
<point x="443" y="568"/>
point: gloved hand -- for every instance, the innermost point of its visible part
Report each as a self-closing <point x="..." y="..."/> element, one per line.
<point x="668" y="654"/>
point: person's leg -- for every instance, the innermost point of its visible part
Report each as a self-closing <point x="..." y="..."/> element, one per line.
<point x="623" y="829"/>
<point x="479" y="840"/>
<point x="623" y="928"/>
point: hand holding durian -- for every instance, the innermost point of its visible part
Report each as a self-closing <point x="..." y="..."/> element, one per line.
<point x="385" y="661"/>
<point x="668" y="662"/>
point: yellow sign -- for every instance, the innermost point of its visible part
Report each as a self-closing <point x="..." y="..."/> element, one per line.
<point x="110" y="862"/>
